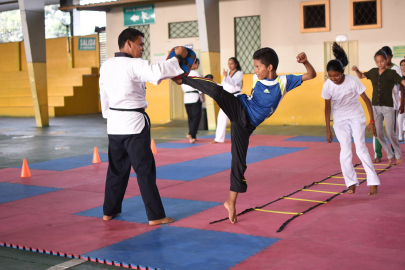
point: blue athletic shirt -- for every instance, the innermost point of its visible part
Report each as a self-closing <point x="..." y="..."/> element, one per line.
<point x="266" y="96"/>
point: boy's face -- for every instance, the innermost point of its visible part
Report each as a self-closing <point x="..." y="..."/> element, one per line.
<point x="136" y="48"/>
<point x="380" y="62"/>
<point x="389" y="58"/>
<point x="262" y="72"/>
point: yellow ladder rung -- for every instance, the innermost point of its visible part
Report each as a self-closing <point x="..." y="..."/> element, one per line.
<point x="288" y="198"/>
<point x="333" y="184"/>
<point x="383" y="164"/>
<point x="343" y="177"/>
<point x="374" y="169"/>
<point x="320" y="191"/>
<point x="287" y="213"/>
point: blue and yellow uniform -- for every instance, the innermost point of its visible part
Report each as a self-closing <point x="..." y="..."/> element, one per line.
<point x="266" y="96"/>
<point x="245" y="113"/>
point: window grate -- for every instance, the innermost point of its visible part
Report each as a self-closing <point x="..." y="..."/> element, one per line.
<point x="314" y="16"/>
<point x="146" y="32"/>
<point x="247" y="41"/>
<point x="365" y="13"/>
<point x="183" y="29"/>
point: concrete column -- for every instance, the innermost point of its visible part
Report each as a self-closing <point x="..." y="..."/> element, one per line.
<point x="33" y="24"/>
<point x="208" y="26"/>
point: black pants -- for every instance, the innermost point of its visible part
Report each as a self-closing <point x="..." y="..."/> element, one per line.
<point x="124" y="151"/>
<point x="194" y="117"/>
<point x="241" y="128"/>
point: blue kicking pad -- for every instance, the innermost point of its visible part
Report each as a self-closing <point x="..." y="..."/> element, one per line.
<point x="13" y="192"/>
<point x="187" y="63"/>
<point x="202" y="167"/>
<point x="184" y="248"/>
<point x="177" y="145"/>
<point x="68" y="163"/>
<point x="133" y="209"/>
<point x="318" y="139"/>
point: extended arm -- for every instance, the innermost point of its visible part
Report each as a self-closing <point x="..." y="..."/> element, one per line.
<point x="371" y="125"/>
<point x="311" y="73"/>
<point x="328" y="108"/>
<point x="358" y="72"/>
<point x="401" y="106"/>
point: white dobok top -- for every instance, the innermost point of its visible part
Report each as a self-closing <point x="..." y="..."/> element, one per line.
<point x="122" y="86"/>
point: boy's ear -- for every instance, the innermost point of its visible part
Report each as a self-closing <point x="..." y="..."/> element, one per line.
<point x="270" y="67"/>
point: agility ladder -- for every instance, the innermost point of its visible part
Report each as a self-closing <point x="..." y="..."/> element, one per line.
<point x="305" y="188"/>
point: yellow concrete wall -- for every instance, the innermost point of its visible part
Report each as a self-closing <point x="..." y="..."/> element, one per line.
<point x="158" y="97"/>
<point x="71" y="89"/>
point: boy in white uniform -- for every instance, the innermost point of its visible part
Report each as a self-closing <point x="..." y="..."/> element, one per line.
<point x="348" y="119"/>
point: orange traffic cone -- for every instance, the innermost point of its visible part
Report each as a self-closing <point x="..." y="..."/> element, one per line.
<point x="153" y="146"/>
<point x="96" y="157"/>
<point x="25" y="172"/>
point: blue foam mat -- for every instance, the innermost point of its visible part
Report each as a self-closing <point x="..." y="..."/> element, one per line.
<point x="177" y="145"/>
<point x="133" y="209"/>
<point x="184" y="248"/>
<point x="13" y="192"/>
<point x="318" y="139"/>
<point x="202" y="167"/>
<point x="212" y="136"/>
<point x="68" y="163"/>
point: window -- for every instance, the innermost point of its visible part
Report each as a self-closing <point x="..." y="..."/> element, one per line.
<point x="183" y="29"/>
<point x="314" y="16"/>
<point x="365" y="14"/>
<point x="146" y="32"/>
<point x="247" y="41"/>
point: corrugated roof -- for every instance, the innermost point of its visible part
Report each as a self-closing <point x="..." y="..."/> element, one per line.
<point x="106" y="6"/>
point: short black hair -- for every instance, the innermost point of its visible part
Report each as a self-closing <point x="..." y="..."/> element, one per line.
<point x="209" y="76"/>
<point x="197" y="61"/>
<point x="403" y="60"/>
<point x="341" y="60"/>
<point x="382" y="53"/>
<point x="267" y="56"/>
<point x="387" y="50"/>
<point x="129" y="33"/>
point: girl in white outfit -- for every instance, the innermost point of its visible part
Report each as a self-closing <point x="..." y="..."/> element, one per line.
<point x="232" y="83"/>
<point x="348" y="119"/>
<point x="401" y="117"/>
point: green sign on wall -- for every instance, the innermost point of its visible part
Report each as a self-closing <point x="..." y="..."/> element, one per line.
<point x="399" y="51"/>
<point x="87" y="44"/>
<point x="139" y="15"/>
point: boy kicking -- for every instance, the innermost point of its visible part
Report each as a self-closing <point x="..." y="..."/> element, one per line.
<point x="247" y="112"/>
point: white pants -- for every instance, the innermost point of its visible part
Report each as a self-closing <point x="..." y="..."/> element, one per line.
<point x="401" y="126"/>
<point x="222" y="122"/>
<point x="344" y="131"/>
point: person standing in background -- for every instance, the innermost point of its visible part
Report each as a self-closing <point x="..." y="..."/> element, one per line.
<point x="193" y="100"/>
<point x="231" y="83"/>
<point x="401" y="117"/>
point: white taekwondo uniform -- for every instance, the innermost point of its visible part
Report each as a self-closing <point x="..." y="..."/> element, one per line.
<point x="123" y="103"/>
<point x="349" y="120"/>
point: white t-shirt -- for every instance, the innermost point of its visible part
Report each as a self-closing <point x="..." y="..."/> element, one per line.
<point x="396" y="90"/>
<point x="345" y="98"/>
<point x="191" y="97"/>
<point x="233" y="84"/>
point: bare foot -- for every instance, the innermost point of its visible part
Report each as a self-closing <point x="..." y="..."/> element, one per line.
<point x="377" y="160"/>
<point x="232" y="211"/>
<point x="213" y="142"/>
<point x="390" y="161"/>
<point x="373" y="191"/>
<point x="191" y="140"/>
<point x="352" y="189"/>
<point x="399" y="161"/>
<point x="107" y="218"/>
<point x="188" y="136"/>
<point x="165" y="220"/>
